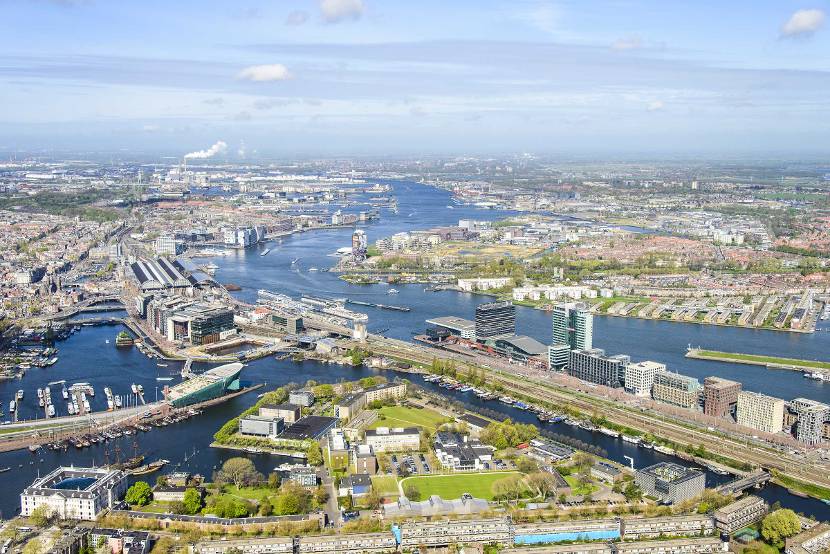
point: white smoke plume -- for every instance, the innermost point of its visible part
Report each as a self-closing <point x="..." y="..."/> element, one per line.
<point x="219" y="148"/>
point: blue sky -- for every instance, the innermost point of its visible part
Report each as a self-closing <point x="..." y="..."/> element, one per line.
<point x="398" y="77"/>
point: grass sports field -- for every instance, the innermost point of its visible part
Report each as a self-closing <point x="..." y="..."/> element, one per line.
<point x="400" y="416"/>
<point x="450" y="487"/>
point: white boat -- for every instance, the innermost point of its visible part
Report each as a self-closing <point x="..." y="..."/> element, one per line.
<point x="50" y="411"/>
<point x="117" y="401"/>
<point x="632" y="440"/>
<point x="134" y="388"/>
<point x="40" y="394"/>
<point x="140" y="389"/>
<point x="265" y="252"/>
<point x="19" y="396"/>
<point x="392" y="291"/>
<point x="609" y="432"/>
<point x="313" y="269"/>
<point x="65" y="393"/>
<point x="664" y="450"/>
<point x="12" y="406"/>
<point x="164" y="378"/>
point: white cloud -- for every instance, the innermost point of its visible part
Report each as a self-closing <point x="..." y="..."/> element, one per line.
<point x="264" y="73"/>
<point x="656" y="106"/>
<point x="218" y="148"/>
<point x="335" y="11"/>
<point x="628" y="43"/>
<point x="803" y="23"/>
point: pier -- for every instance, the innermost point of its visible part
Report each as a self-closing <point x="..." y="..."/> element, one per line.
<point x="379" y="306"/>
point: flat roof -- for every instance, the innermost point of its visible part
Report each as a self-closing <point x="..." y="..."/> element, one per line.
<point x="452" y="322"/>
<point x="309" y="427"/>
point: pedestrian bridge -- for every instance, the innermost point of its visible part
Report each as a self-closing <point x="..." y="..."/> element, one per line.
<point x="755" y="479"/>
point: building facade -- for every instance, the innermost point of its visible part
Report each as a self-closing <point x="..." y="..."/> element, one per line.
<point x="676" y="389"/>
<point x="495" y="320"/>
<point x="639" y="377"/>
<point x="811" y="418"/>
<point x="75" y="493"/>
<point x="720" y="396"/>
<point x="573" y="326"/>
<point x="669" y="482"/>
<point x="595" y="367"/>
<point x="740" y="514"/>
<point x="761" y="412"/>
<point x="396" y="439"/>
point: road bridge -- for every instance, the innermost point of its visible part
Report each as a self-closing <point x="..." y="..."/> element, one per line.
<point x="756" y="479"/>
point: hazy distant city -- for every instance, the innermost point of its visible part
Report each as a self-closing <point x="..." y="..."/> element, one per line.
<point x="358" y="276"/>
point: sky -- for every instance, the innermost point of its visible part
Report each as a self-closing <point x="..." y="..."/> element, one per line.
<point x="401" y="77"/>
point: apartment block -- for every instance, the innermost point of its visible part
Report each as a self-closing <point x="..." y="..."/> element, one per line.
<point x="676" y="389"/>
<point x="761" y="412"/>
<point x="720" y="396"/>
<point x="639" y="377"/>
<point x="740" y="514"/>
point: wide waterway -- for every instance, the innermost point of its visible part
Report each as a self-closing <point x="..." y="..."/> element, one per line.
<point x="87" y="357"/>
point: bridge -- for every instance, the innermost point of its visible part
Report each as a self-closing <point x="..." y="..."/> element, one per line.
<point x="89" y="305"/>
<point x="755" y="479"/>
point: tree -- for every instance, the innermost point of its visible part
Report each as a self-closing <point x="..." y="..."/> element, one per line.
<point x="508" y="487"/>
<point x="239" y="471"/>
<point x="287" y="504"/>
<point x="192" y="501"/>
<point x="265" y="508"/>
<point x="372" y="500"/>
<point x="139" y="494"/>
<point x="632" y="492"/>
<point x="41" y="515"/>
<point x="542" y="483"/>
<point x="779" y="525"/>
<point x="274" y="480"/>
<point x="34" y="546"/>
<point x="321" y="496"/>
<point x="582" y="461"/>
<point x="314" y="455"/>
<point x="412" y="492"/>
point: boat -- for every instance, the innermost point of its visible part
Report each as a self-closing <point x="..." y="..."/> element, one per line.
<point x="392" y="291"/>
<point x="632" y="440"/>
<point x="609" y="432"/>
<point x="310" y="269"/>
<point x="161" y="364"/>
<point x="134" y="388"/>
<point x="108" y="394"/>
<point x="825" y="500"/>
<point x="140" y="389"/>
<point x="65" y="392"/>
<point x="265" y="252"/>
<point x="34" y="447"/>
<point x="50" y="411"/>
<point x="12" y="406"/>
<point x="132" y="463"/>
<point x="149" y="468"/>
<point x="664" y="450"/>
<point x="19" y="395"/>
<point x="164" y="378"/>
<point x="117" y="401"/>
<point x="5" y="469"/>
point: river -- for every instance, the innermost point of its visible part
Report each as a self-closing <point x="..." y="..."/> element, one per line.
<point x="87" y="357"/>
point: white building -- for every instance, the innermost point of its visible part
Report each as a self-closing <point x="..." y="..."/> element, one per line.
<point x="75" y="493"/>
<point x="398" y="439"/>
<point x="761" y="412"/>
<point x="639" y="377"/>
<point x="482" y="283"/>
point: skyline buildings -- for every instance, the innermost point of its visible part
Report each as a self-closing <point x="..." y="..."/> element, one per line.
<point x="495" y="320"/>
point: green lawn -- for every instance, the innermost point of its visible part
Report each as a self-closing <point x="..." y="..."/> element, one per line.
<point x="385" y="485"/>
<point x="754" y="358"/>
<point x="449" y="487"/>
<point x="250" y="493"/>
<point x="400" y="416"/>
<point x="578" y="488"/>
